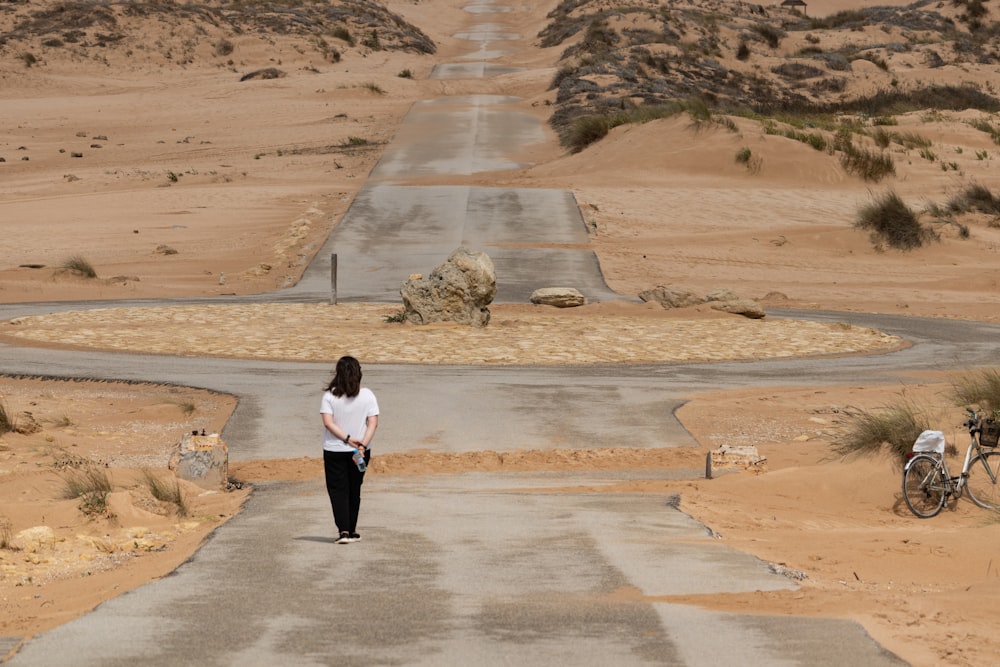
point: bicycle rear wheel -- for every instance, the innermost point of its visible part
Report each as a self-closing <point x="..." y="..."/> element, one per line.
<point x="923" y="486"/>
<point x="984" y="480"/>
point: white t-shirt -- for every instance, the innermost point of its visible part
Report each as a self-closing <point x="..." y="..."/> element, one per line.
<point x="350" y="414"/>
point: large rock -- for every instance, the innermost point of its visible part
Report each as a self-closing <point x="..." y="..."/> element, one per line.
<point x="560" y="297"/>
<point x="672" y="297"/>
<point x="459" y="290"/>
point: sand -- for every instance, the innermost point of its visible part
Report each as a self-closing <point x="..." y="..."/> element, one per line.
<point x="194" y="183"/>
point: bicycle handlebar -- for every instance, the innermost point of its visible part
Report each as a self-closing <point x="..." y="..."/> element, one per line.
<point x="973" y="423"/>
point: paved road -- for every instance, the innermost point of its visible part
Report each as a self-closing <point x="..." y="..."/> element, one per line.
<point x="465" y="569"/>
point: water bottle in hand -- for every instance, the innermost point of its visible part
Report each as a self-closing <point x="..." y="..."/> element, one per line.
<point x="359" y="460"/>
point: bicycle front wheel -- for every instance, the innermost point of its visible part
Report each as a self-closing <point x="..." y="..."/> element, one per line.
<point x="923" y="486"/>
<point x="984" y="480"/>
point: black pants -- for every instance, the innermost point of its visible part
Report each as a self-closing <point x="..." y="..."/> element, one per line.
<point x="343" y="483"/>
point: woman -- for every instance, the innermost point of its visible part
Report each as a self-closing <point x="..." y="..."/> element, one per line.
<point x="350" y="417"/>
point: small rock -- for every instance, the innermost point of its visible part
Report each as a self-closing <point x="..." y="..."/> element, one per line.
<point x="745" y="307"/>
<point x="671" y="297"/>
<point x="560" y="297"/>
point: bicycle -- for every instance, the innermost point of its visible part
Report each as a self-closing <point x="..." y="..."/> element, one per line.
<point x="927" y="484"/>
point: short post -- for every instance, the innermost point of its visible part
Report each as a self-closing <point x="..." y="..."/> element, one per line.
<point x="333" y="278"/>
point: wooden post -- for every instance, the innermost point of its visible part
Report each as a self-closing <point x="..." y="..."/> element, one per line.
<point x="333" y="278"/>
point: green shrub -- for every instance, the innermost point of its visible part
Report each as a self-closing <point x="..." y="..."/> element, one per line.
<point x="882" y="138"/>
<point x="981" y="388"/>
<point x="872" y="166"/>
<point x="342" y="33"/>
<point x="891" y="221"/>
<point x="8" y="424"/>
<point x="398" y="316"/>
<point x="892" y="429"/>
<point x="975" y="197"/>
<point x="405" y="74"/>
<point x="769" y="33"/>
<point x="586" y="130"/>
<point x="911" y="140"/>
<point x="372" y="41"/>
<point x="563" y="73"/>
<point x="78" y="266"/>
<point x="92" y="486"/>
<point x="987" y="127"/>
<point x="166" y="492"/>
<point x="752" y="162"/>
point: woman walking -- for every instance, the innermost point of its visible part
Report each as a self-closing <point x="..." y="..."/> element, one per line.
<point x="350" y="418"/>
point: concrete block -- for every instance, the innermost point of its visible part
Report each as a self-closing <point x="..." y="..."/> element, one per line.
<point x="735" y="457"/>
<point x="203" y="460"/>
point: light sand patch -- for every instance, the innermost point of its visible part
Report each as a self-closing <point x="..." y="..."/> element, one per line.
<point x="542" y="336"/>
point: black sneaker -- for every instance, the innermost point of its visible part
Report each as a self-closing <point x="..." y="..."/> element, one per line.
<point x="355" y="537"/>
<point x="344" y="538"/>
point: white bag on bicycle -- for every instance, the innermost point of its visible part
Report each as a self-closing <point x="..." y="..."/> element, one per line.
<point x="930" y="441"/>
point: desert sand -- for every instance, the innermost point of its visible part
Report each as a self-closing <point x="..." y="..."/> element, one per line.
<point x="191" y="182"/>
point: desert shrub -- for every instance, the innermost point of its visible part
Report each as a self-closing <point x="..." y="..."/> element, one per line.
<point x="405" y="74"/>
<point x="371" y="40"/>
<point x="985" y="126"/>
<point x="356" y="141"/>
<point x="911" y="140"/>
<point x="743" y="51"/>
<point x="599" y="38"/>
<point x="797" y="71"/>
<point x="28" y="59"/>
<point x="882" y="138"/>
<point x="374" y="87"/>
<point x="844" y="18"/>
<point x="79" y="266"/>
<point x="166" y="492"/>
<point x="980" y="388"/>
<point x="8" y="424"/>
<point x="892" y="429"/>
<point x="752" y="162"/>
<point x="263" y="74"/>
<point x="771" y="35"/>
<point x="891" y="221"/>
<point x="223" y="47"/>
<point x="889" y="102"/>
<point x="329" y="53"/>
<point x="563" y="73"/>
<point x="342" y="33"/>
<point x="6" y="534"/>
<point x="397" y="317"/>
<point x="884" y="120"/>
<point x="975" y="197"/>
<point x="871" y="166"/>
<point x="695" y="107"/>
<point x="91" y="486"/>
<point x="586" y="130"/>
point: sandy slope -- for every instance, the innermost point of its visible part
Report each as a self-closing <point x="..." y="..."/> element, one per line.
<point x="244" y="179"/>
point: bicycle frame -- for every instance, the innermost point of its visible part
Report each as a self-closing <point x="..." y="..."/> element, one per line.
<point x="928" y="484"/>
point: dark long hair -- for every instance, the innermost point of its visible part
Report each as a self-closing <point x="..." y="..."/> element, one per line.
<point x="347" y="378"/>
